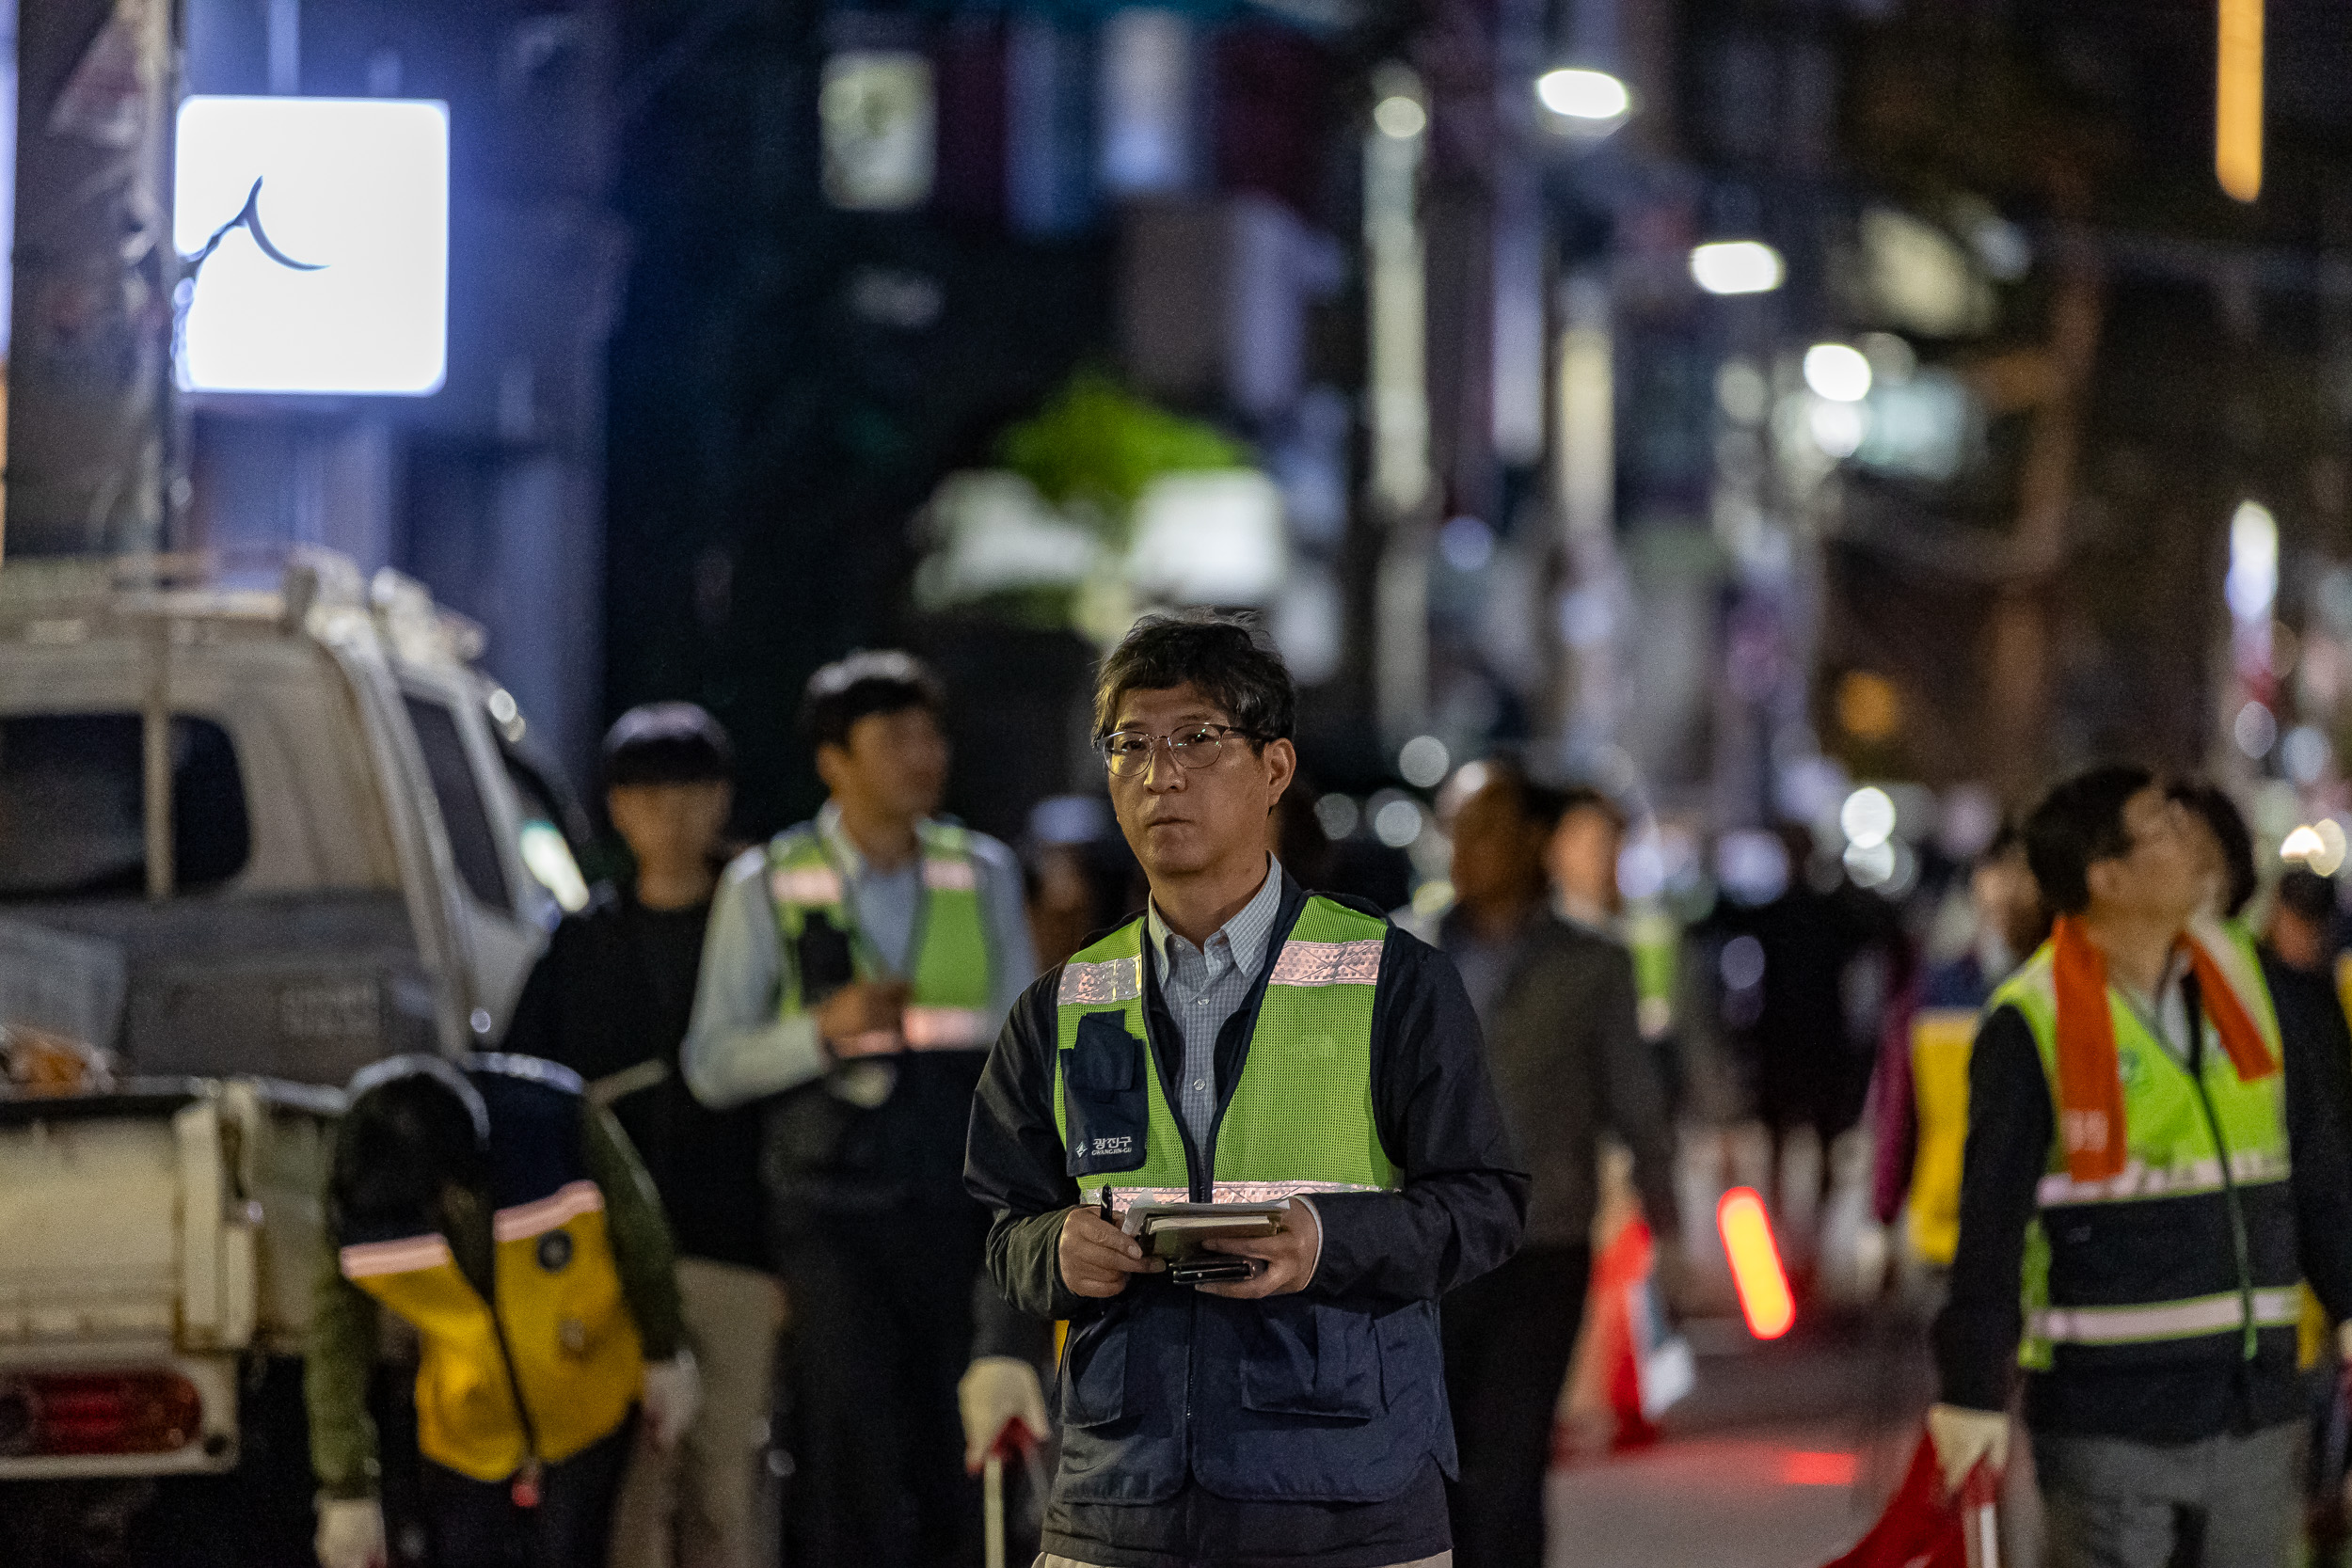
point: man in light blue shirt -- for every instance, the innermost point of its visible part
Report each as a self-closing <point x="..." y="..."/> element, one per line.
<point x="1206" y="986"/>
<point x="743" y="1047"/>
<point x="856" y="970"/>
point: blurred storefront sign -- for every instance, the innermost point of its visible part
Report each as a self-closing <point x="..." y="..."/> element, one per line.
<point x="1209" y="538"/>
<point x="331" y="269"/>
<point x="1212" y="536"/>
<point x="1145" y="111"/>
<point x="1914" y="276"/>
<point x="877" y="114"/>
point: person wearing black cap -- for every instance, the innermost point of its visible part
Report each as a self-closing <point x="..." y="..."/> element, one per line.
<point x="610" y="999"/>
<point x="501" y="1213"/>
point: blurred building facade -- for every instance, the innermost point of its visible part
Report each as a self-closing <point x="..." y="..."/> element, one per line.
<point x="762" y="312"/>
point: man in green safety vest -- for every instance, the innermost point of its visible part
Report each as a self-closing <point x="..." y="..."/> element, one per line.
<point x="1242" y="1041"/>
<point x="855" y="970"/>
<point x="2152" y="1168"/>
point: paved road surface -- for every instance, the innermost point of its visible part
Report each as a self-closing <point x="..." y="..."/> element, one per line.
<point x="1780" y="1459"/>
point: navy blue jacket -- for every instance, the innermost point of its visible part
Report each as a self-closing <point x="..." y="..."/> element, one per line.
<point x="1197" y="1429"/>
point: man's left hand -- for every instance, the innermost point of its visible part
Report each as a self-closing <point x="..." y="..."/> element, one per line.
<point x="1289" y="1255"/>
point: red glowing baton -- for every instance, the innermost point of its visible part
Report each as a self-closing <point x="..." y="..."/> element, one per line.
<point x="1755" y="1270"/>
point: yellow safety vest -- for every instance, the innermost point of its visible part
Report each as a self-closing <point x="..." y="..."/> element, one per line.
<point x="552" y="1362"/>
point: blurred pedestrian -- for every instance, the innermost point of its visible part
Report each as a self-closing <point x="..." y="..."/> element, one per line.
<point x="1920" y="1095"/>
<point x="1825" y="959"/>
<point x="610" y="999"/>
<point x="1555" y="998"/>
<point x="2156" y="1138"/>
<point x="502" y="1214"/>
<point x="1082" y="877"/>
<point x="2302" y="921"/>
<point x="1245" y="1039"/>
<point x="856" y="967"/>
<point x="1582" y="855"/>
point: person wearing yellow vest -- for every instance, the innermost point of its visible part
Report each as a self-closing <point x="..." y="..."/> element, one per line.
<point x="492" y="1208"/>
<point x="1243" y="1040"/>
<point x="855" y="970"/>
<point x="2150" y="1170"/>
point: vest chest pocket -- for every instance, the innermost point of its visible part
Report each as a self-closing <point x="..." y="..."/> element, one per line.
<point x="1105" y="1097"/>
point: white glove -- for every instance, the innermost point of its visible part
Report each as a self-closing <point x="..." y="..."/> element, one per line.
<point x="2343" y="1341"/>
<point x="673" y="1395"/>
<point x="351" y="1533"/>
<point x="1964" y="1436"/>
<point x="996" y="1391"/>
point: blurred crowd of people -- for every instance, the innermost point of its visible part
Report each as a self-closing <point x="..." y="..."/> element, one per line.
<point x="730" y="1115"/>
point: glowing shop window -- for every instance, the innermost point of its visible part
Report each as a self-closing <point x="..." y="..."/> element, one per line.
<point x="354" y="190"/>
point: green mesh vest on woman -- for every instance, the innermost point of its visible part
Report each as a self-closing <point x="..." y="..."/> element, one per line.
<point x="949" y="964"/>
<point x="1300" y="1119"/>
<point x="2189" y="1253"/>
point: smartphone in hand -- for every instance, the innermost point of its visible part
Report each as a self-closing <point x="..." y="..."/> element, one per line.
<point x="1213" y="1268"/>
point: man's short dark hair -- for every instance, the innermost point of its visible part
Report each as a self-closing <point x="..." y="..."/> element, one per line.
<point x="2212" y="803"/>
<point x="667" y="743"/>
<point x="883" y="680"/>
<point x="1578" y="797"/>
<point x="1225" y="657"/>
<point x="1541" y="805"/>
<point x="400" y="1141"/>
<point x="2078" y="824"/>
<point x="2308" y="893"/>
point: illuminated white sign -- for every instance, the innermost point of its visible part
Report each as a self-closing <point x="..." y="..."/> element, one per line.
<point x="332" y="274"/>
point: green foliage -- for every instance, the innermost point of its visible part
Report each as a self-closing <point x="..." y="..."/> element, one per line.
<point x="1096" y="446"/>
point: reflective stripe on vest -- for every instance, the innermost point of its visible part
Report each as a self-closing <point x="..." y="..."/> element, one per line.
<point x="2137" y="1180"/>
<point x="1300" y="1119"/>
<point x="2172" y="1319"/>
<point x="952" y="976"/>
<point x="1125" y="1198"/>
<point x="2171" y="1121"/>
<point x="560" y="1334"/>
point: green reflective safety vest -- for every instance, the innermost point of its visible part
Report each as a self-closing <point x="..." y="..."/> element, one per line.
<point x="2190" y="1251"/>
<point x="951" y="971"/>
<point x="1300" y="1120"/>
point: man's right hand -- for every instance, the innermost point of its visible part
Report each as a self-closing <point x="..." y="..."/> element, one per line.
<point x="350" y="1533"/>
<point x="1097" y="1256"/>
<point x="864" y="1019"/>
<point x="1965" y="1438"/>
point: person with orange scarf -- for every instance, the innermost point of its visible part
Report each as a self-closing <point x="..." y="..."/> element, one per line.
<point x="2150" y="1170"/>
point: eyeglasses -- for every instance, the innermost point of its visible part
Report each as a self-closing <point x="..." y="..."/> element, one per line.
<point x="1128" y="753"/>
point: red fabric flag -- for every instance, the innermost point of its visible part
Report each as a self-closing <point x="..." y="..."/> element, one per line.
<point x="1921" y="1528"/>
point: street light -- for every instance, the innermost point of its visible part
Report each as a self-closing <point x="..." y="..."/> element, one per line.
<point x="1737" y="267"/>
<point x="1587" y="95"/>
<point x="1837" y="371"/>
<point x="1400" y="118"/>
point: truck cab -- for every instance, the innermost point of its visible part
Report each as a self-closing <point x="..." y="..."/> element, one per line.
<point x="271" y="832"/>
<point x="251" y="838"/>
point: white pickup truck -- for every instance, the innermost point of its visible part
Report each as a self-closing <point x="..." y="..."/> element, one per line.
<point x="251" y="839"/>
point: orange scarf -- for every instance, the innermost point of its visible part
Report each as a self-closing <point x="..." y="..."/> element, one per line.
<point x="2090" y="1087"/>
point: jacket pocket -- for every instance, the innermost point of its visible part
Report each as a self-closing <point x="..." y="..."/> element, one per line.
<point x="1094" y="1372"/>
<point x="1310" y="1359"/>
<point x="1105" y="1097"/>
